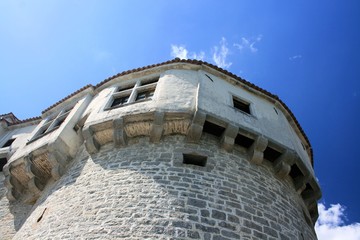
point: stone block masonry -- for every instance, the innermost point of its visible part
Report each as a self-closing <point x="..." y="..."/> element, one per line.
<point x="144" y="191"/>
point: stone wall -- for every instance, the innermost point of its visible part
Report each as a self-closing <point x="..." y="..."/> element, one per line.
<point x="12" y="215"/>
<point x="145" y="191"/>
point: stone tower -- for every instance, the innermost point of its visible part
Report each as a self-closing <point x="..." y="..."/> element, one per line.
<point x="177" y="150"/>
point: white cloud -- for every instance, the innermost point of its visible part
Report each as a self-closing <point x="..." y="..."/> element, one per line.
<point x="248" y="43"/>
<point x="295" y="57"/>
<point x="330" y="225"/>
<point x="220" y="54"/>
<point x="181" y="52"/>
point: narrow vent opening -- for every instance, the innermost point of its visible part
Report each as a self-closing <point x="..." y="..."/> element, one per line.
<point x="213" y="129"/>
<point x="209" y="77"/>
<point x="194" y="159"/>
<point x="271" y="154"/>
<point x="295" y="172"/>
<point x="41" y="216"/>
<point x="3" y="161"/>
<point x="243" y="141"/>
<point x="276" y="111"/>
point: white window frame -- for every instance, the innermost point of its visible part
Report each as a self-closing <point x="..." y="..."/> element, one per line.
<point x="140" y="86"/>
<point x="52" y="123"/>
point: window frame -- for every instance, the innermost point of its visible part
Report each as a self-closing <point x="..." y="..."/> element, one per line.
<point x="8" y="143"/>
<point x="52" y="123"/>
<point x="140" y="86"/>
<point x="235" y="98"/>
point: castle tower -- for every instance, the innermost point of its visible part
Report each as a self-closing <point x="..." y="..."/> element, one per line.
<point x="177" y="150"/>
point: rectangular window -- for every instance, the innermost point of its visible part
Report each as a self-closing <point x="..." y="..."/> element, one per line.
<point x="3" y="161"/>
<point x="146" y="94"/>
<point x="241" y="105"/>
<point x="119" y="101"/>
<point x="8" y="143"/>
<point x="143" y="90"/>
<point x="52" y="123"/>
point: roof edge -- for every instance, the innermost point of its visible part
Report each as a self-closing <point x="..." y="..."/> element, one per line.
<point x="195" y="62"/>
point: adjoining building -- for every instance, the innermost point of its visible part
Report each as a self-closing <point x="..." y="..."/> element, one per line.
<point x="177" y="150"/>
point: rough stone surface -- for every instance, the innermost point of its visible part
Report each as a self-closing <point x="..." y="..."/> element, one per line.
<point x="140" y="191"/>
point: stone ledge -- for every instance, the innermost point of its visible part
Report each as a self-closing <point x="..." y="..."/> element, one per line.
<point x="27" y="177"/>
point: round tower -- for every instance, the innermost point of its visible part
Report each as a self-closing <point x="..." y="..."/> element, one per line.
<point x="177" y="150"/>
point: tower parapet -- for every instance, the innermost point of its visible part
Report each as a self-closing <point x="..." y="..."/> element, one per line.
<point x="188" y="149"/>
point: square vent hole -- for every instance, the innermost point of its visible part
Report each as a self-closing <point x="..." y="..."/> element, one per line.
<point x="243" y="141"/>
<point x="194" y="159"/>
<point x="213" y="129"/>
<point x="271" y="154"/>
<point x="295" y="172"/>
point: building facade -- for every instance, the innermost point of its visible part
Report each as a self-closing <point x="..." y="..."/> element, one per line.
<point x="177" y="150"/>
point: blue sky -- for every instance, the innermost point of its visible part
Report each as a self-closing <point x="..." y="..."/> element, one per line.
<point x="306" y="52"/>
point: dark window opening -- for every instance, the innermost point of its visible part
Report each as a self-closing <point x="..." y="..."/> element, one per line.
<point x="145" y="95"/>
<point x="3" y="161"/>
<point x="213" y="129"/>
<point x="59" y="122"/>
<point x="241" y="105"/>
<point x="194" y="159"/>
<point x="295" y="172"/>
<point x="120" y="101"/>
<point x="243" y="141"/>
<point x="271" y="154"/>
<point x="9" y="142"/>
<point x="42" y="131"/>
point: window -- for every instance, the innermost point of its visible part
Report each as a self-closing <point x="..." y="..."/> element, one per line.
<point x="241" y="105"/>
<point x="141" y="91"/>
<point x="3" y="161"/>
<point x="147" y="94"/>
<point x="8" y="142"/>
<point x="52" y="123"/>
<point x="120" y="101"/>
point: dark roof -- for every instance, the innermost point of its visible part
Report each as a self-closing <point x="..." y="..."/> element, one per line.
<point x="195" y="62"/>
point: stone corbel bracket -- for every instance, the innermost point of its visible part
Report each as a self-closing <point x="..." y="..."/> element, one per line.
<point x="228" y="137"/>
<point x="120" y="137"/>
<point x="157" y="129"/>
<point x="92" y="146"/>
<point x="256" y="151"/>
<point x="282" y="165"/>
<point x="196" y="127"/>
<point x="26" y="177"/>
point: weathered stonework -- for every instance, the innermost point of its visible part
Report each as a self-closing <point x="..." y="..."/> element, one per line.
<point x="145" y="191"/>
<point x="159" y="152"/>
